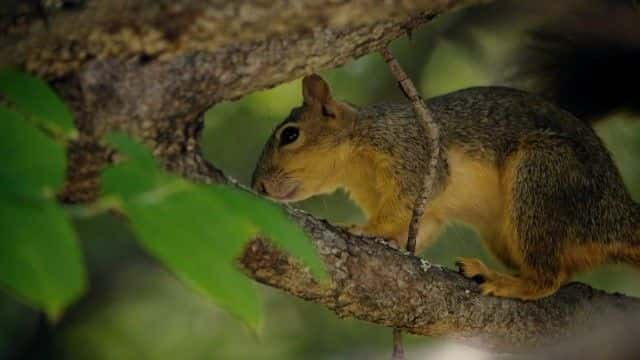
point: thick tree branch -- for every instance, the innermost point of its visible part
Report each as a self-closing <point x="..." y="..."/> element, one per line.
<point x="151" y="69"/>
<point x="374" y="282"/>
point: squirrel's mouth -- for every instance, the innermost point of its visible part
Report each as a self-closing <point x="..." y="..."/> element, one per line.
<point x="288" y="193"/>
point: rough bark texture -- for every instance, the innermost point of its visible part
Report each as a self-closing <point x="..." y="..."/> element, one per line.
<point x="151" y="69"/>
<point x="375" y="282"/>
<point x="372" y="281"/>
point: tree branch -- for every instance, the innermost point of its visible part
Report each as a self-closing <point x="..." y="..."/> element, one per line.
<point x="152" y="68"/>
<point x="426" y="191"/>
<point x="374" y="282"/>
<point x="431" y="131"/>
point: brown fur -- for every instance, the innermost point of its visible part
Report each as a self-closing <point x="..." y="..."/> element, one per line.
<point x="534" y="181"/>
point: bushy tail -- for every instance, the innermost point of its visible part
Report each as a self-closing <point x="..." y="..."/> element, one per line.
<point x="586" y="60"/>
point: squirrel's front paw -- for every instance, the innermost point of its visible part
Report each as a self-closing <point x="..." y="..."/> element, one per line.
<point x="473" y="269"/>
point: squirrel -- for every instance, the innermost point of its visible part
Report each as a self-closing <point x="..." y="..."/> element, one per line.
<point x="535" y="181"/>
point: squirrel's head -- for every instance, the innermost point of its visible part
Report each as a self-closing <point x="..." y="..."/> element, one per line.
<point x="304" y="155"/>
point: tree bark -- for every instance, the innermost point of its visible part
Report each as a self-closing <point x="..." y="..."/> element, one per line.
<point x="375" y="282"/>
<point x="152" y="68"/>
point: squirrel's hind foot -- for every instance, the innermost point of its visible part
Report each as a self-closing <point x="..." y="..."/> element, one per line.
<point x="503" y="285"/>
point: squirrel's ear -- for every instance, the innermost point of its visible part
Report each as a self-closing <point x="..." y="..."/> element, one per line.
<point x="315" y="90"/>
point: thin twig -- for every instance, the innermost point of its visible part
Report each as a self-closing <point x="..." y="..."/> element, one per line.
<point x="398" y="351"/>
<point x="431" y="130"/>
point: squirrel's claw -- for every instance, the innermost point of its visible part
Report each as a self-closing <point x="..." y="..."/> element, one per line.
<point x="473" y="269"/>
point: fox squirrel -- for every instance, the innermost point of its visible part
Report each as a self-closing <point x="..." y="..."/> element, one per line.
<point x="535" y="181"/>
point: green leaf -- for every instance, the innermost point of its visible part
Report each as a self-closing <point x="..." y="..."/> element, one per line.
<point x="135" y="151"/>
<point x="274" y="223"/>
<point x="34" y="97"/>
<point x="137" y="174"/>
<point x="33" y="165"/>
<point x="40" y="260"/>
<point x="193" y="235"/>
<point x="197" y="230"/>
<point x="127" y="180"/>
<point x="185" y="227"/>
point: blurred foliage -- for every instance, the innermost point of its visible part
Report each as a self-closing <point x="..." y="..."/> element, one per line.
<point x="40" y="260"/>
<point x="137" y="310"/>
<point x="199" y="230"/>
<point x="35" y="98"/>
<point x="195" y="230"/>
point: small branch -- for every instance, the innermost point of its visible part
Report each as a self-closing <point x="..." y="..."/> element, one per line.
<point x="426" y="193"/>
<point x="431" y="130"/>
<point x="398" y="349"/>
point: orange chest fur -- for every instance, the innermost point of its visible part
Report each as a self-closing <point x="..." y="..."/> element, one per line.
<point x="474" y="194"/>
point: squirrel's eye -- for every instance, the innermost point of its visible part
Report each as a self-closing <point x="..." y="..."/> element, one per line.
<point x="289" y="135"/>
